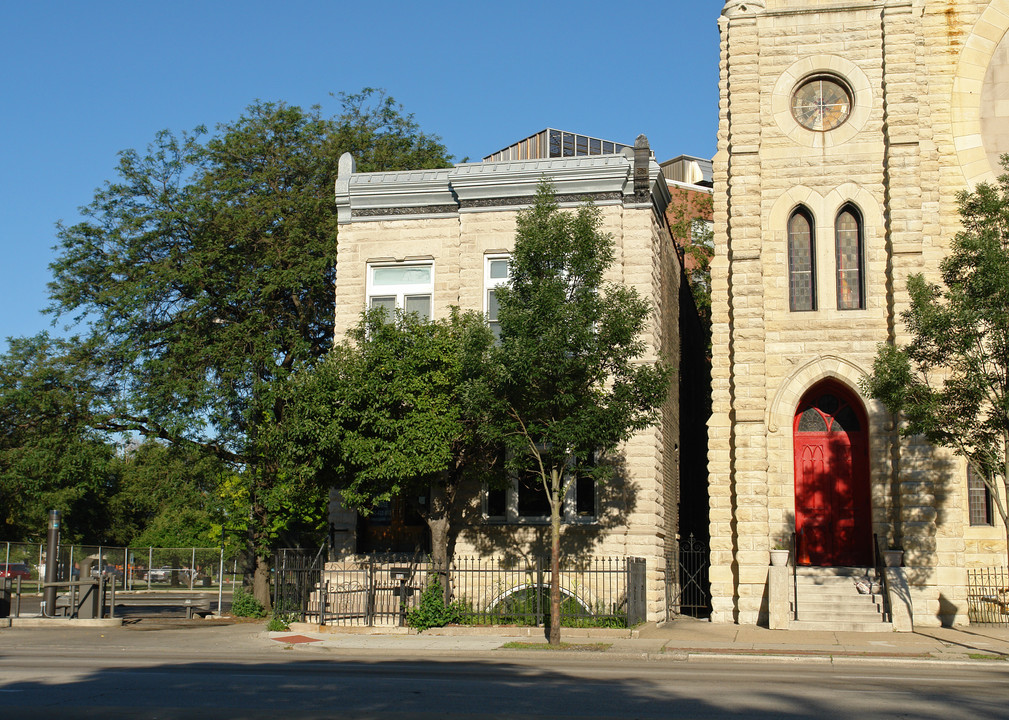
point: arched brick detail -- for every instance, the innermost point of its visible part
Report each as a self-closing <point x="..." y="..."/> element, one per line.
<point x="790" y="392"/>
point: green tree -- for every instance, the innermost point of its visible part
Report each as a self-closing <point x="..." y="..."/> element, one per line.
<point x="167" y="496"/>
<point x="51" y="457"/>
<point x="205" y="274"/>
<point x="383" y="416"/>
<point x="950" y="383"/>
<point x="566" y="383"/>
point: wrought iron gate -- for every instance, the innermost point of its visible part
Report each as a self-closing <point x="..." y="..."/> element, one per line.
<point x="688" y="590"/>
<point x="297" y="575"/>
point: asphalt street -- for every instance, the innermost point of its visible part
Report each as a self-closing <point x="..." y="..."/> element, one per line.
<point x="196" y="670"/>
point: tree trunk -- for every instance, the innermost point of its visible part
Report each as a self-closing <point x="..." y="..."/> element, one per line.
<point x="555" y="557"/>
<point x="261" y="582"/>
<point x="439" y="522"/>
<point x="260" y="549"/>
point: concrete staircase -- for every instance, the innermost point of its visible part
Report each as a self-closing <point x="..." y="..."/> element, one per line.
<point x="829" y="600"/>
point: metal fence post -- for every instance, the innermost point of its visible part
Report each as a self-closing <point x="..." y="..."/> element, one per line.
<point x="150" y="564"/>
<point x="278" y="568"/>
<point x="539" y="591"/>
<point x="192" y="569"/>
<point x="220" y="585"/>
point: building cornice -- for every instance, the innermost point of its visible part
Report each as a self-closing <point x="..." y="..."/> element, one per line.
<point x="489" y="186"/>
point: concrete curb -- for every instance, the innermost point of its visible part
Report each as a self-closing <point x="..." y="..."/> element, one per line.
<point x="41" y="622"/>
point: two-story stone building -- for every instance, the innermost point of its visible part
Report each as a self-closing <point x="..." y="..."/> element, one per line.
<point x="427" y="240"/>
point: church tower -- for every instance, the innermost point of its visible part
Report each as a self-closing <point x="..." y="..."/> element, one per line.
<point x="846" y="128"/>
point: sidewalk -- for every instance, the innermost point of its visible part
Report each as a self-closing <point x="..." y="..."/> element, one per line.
<point x="684" y="640"/>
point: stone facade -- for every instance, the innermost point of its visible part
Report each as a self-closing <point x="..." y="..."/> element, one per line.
<point x="452" y="223"/>
<point x="924" y="82"/>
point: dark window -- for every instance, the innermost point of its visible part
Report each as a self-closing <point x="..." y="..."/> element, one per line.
<point x="847" y="420"/>
<point x="382" y="514"/>
<point x="532" y="497"/>
<point x="801" y="282"/>
<point x="848" y="230"/>
<point x="555" y="143"/>
<point x="569" y="145"/>
<point x="497" y="503"/>
<point x="585" y="497"/>
<point x="978" y="499"/>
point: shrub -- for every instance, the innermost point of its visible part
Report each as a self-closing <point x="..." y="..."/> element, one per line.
<point x="243" y="604"/>
<point x="432" y="610"/>
<point x="282" y="621"/>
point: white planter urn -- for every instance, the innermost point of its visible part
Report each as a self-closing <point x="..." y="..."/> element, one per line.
<point x="779" y="558"/>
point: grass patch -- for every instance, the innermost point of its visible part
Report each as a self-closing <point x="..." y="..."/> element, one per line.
<point x="983" y="656"/>
<point x="578" y="647"/>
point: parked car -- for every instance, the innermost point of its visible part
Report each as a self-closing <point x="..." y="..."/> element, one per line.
<point x="15" y="570"/>
<point x="159" y="575"/>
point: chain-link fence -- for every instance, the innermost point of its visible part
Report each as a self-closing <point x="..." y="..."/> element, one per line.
<point x="130" y="568"/>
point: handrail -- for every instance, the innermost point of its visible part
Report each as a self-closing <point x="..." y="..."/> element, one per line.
<point x="795" y="577"/>
<point x="881" y="576"/>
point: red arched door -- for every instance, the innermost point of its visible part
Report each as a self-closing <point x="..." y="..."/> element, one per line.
<point x="833" y="518"/>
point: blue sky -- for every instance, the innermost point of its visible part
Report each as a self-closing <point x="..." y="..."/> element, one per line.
<point x="84" y="80"/>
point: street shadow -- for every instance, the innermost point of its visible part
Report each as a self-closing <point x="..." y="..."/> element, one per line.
<point x="437" y="687"/>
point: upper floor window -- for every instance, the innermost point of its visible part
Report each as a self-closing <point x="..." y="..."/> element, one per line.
<point x="848" y="230"/>
<point x="496" y="272"/>
<point x="408" y="286"/>
<point x="801" y="282"/>
<point x="978" y="499"/>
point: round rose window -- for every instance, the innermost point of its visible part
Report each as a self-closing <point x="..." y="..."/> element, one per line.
<point x="821" y="103"/>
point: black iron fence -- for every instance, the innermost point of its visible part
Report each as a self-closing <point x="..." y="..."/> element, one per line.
<point x="688" y="590"/>
<point x="988" y="595"/>
<point x="599" y="592"/>
<point x="297" y="575"/>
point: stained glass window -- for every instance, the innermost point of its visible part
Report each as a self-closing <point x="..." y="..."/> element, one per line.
<point x="849" y="260"/>
<point x="801" y="286"/>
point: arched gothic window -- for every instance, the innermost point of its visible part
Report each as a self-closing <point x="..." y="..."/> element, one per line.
<point x="848" y="233"/>
<point x="801" y="283"/>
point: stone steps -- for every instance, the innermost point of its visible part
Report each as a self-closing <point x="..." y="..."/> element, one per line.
<point x="829" y="600"/>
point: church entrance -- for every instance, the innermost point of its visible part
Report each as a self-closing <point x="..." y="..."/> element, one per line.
<point x="833" y="518"/>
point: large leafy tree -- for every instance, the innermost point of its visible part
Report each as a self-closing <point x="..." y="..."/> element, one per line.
<point x="50" y="454"/>
<point x="950" y="383"/>
<point x="204" y="275"/>
<point x="567" y="383"/>
<point x="384" y="416"/>
<point x="168" y="496"/>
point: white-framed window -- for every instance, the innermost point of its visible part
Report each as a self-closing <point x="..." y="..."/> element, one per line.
<point x="408" y="286"/>
<point x="497" y="270"/>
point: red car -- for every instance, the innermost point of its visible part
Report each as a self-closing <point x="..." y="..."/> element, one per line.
<point x="15" y="570"/>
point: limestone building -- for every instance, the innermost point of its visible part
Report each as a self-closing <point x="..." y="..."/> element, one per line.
<point x="427" y="240"/>
<point x="846" y="127"/>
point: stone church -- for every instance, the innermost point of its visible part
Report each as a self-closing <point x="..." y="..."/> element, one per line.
<point x="846" y="128"/>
